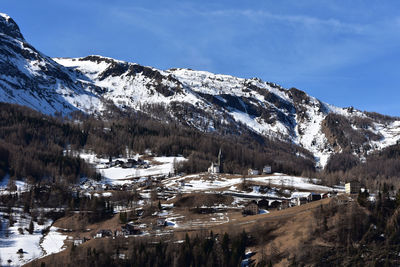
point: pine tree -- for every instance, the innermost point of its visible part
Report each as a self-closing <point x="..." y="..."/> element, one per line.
<point x="31" y="227"/>
<point x="123" y="217"/>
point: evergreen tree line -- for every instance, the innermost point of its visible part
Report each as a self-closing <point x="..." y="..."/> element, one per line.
<point x="138" y="133"/>
<point x="379" y="167"/>
<point x="33" y="145"/>
<point x="211" y="250"/>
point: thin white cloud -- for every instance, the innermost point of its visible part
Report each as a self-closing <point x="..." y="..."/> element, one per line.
<point x="313" y="45"/>
<point x="252" y="14"/>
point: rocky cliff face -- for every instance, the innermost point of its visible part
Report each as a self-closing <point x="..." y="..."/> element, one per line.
<point x="28" y="77"/>
<point x="199" y="99"/>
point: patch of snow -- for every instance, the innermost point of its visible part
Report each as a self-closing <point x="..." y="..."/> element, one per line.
<point x="33" y="245"/>
<point x="53" y="242"/>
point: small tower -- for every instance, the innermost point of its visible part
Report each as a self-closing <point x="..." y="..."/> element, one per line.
<point x="216" y="167"/>
<point x="220" y="160"/>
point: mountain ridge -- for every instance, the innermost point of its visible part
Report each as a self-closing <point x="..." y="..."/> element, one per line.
<point x="200" y="99"/>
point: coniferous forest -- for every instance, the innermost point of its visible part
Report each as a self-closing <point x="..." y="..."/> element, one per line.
<point x="34" y="145"/>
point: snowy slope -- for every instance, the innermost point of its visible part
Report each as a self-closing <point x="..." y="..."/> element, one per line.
<point x="202" y="182"/>
<point x="199" y="99"/>
<point x="27" y="77"/>
<point x="216" y="100"/>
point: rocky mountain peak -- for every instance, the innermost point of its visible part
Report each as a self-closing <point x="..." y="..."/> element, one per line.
<point x="9" y="27"/>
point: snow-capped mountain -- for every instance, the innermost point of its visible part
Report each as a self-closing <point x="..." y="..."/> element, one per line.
<point x="206" y="101"/>
<point x="27" y="77"/>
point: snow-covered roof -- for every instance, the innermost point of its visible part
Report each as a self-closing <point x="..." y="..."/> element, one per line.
<point x="300" y="194"/>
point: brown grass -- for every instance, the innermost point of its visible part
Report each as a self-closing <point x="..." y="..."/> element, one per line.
<point x="281" y="233"/>
<point x="202" y="199"/>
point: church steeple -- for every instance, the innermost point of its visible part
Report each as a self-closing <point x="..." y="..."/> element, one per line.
<point x="216" y="167"/>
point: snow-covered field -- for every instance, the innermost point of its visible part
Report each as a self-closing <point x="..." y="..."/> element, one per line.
<point x="179" y="221"/>
<point x="192" y="183"/>
<point x="34" y="245"/>
<point x="119" y="175"/>
<point x="21" y="185"/>
<point x="300" y="183"/>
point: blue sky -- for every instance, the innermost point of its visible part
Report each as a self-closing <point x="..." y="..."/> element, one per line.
<point x="343" y="52"/>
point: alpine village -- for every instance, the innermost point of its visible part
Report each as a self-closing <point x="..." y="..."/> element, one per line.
<point x="111" y="163"/>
